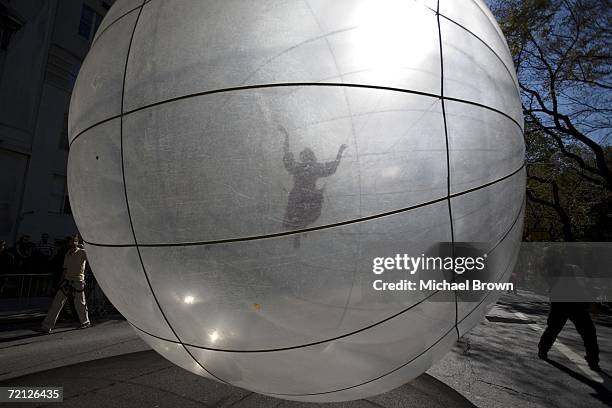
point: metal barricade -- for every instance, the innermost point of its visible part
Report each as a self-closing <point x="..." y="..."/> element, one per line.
<point x="23" y="290"/>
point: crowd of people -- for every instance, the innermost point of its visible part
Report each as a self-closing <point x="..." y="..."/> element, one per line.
<point x="27" y="257"/>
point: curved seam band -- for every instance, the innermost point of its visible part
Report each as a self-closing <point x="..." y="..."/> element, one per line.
<point x="305" y="230"/>
<point x="301" y="345"/>
<point x="443" y="337"/>
<point x="488" y="294"/>
<point x="144" y="270"/>
<point x="116" y="20"/>
<point x="484" y="298"/>
<point x="392" y="371"/>
<point x="403" y="365"/>
<point x="446" y="198"/>
<point x="448" y="158"/>
<point x="425" y="6"/>
<point x="489" y="47"/>
<point x="290" y="85"/>
<point x="437" y="12"/>
<point x="518" y="217"/>
<point x="398" y="368"/>
<point x="337" y="337"/>
<point x="341" y="389"/>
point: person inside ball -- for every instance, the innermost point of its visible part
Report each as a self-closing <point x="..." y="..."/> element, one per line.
<point x="305" y="199"/>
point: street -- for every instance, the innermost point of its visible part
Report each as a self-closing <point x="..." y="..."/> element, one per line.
<point x="494" y="365"/>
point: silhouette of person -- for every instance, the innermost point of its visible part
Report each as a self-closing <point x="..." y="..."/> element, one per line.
<point x="305" y="199"/>
<point x="564" y="286"/>
<point x="72" y="286"/>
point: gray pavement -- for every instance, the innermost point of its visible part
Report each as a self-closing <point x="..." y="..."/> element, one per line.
<point x="493" y="366"/>
<point x="496" y="363"/>
<point x="24" y="352"/>
<point x="145" y="379"/>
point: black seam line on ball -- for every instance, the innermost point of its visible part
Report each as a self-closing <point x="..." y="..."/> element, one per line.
<point x="414" y="358"/>
<point x="508" y="269"/>
<point x="448" y="159"/>
<point x="127" y="202"/>
<point x="502" y="239"/>
<point x="507" y="266"/>
<point x="295" y="84"/>
<point x="480" y="105"/>
<point x="443" y="337"/>
<point x="305" y="230"/>
<point x="427" y="7"/>
<point x="337" y="337"/>
<point x="518" y="217"/>
<point x="488" y="46"/>
<point x="349" y="108"/>
<point x="318" y="84"/>
<point x="115" y="21"/>
<point x="365" y="382"/>
<point x="253" y="87"/>
<point x="88" y="128"/>
<point x="501" y="277"/>
<point x="437" y="12"/>
<point x="315" y="343"/>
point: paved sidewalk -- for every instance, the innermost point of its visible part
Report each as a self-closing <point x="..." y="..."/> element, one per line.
<point x="145" y="379"/>
<point x="493" y="366"/>
<point x="24" y="352"/>
<point x="496" y="364"/>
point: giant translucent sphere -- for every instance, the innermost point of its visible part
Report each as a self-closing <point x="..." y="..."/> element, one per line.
<point x="236" y="166"/>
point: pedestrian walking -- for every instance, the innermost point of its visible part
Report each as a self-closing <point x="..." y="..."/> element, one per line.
<point x="577" y="313"/>
<point x="565" y="295"/>
<point x="72" y="285"/>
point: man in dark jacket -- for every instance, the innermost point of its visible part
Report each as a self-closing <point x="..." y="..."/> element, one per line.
<point x="563" y="288"/>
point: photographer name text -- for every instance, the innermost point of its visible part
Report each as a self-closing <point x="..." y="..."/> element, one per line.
<point x="419" y="264"/>
<point x="434" y="285"/>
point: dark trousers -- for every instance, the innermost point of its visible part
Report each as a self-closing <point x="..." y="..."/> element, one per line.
<point x="578" y="313"/>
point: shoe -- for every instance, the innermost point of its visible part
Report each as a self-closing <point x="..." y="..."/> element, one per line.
<point x="85" y="326"/>
<point x="41" y="330"/>
<point x="594" y="365"/>
<point x="543" y="355"/>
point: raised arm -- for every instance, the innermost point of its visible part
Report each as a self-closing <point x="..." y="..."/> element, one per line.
<point x="340" y="151"/>
<point x="286" y="135"/>
<point x="288" y="159"/>
<point x="331" y="167"/>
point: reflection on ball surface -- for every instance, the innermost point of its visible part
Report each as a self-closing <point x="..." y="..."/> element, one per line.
<point x="235" y="167"/>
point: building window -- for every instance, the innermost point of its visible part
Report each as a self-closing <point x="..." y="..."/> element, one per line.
<point x="63" y="141"/>
<point x="10" y="23"/>
<point x="90" y="21"/>
<point x="59" y="203"/>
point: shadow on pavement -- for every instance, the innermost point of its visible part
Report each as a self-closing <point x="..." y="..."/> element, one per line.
<point x="65" y="323"/>
<point x="602" y="390"/>
<point x="35" y="334"/>
<point x="423" y="391"/>
<point x="146" y="379"/>
<point x="497" y="319"/>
